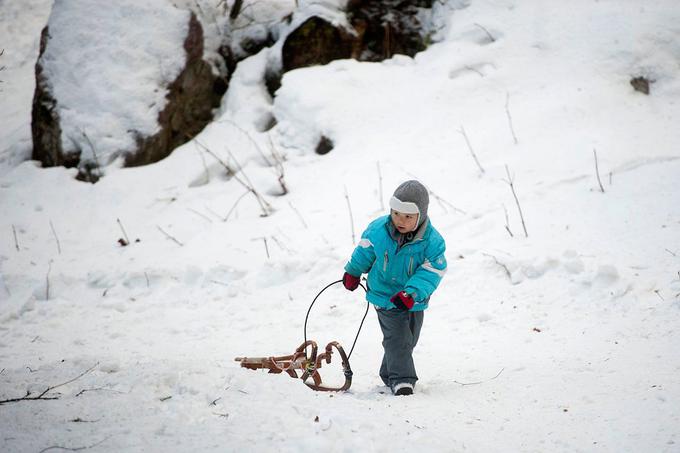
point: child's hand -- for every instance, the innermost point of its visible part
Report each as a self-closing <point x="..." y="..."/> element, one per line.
<point x="350" y="282"/>
<point x="402" y="300"/>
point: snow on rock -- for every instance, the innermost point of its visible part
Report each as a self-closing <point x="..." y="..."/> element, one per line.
<point x="113" y="90"/>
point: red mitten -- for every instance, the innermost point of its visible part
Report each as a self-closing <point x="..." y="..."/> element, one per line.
<point x="350" y="282"/>
<point x="402" y="300"/>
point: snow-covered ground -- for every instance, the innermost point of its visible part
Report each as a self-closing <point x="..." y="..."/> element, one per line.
<point x="565" y="340"/>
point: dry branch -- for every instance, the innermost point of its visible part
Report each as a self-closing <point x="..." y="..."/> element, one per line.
<point x="235" y="206"/>
<point x="480" y="382"/>
<point x="86" y="447"/>
<point x="505" y="268"/>
<point x="16" y="241"/>
<point x="55" y="237"/>
<point x="487" y="32"/>
<point x="380" y="188"/>
<point x="519" y="208"/>
<point x="472" y="151"/>
<point x="127" y="239"/>
<point x="43" y="395"/>
<point x="507" y="223"/>
<point x="168" y="236"/>
<point x="509" y="115"/>
<point x="597" y="171"/>
<point x="201" y="215"/>
<point x="47" y="281"/>
<point x="351" y="218"/>
<point x="298" y="214"/>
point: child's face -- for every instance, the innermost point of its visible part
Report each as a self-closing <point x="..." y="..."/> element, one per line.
<point x="404" y="223"/>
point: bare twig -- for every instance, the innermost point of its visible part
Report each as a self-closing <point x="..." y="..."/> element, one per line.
<point x="42" y="396"/>
<point x="94" y="153"/>
<point x="480" y="382"/>
<point x="281" y="245"/>
<point x="487" y="32"/>
<point x="55" y="237"/>
<point x="380" y="187"/>
<point x="201" y="215"/>
<point x="298" y="214"/>
<point x="519" y="208"/>
<point x="47" y="281"/>
<point x="658" y="293"/>
<point x="279" y="165"/>
<point x="98" y="389"/>
<point x="235" y="205"/>
<point x="505" y="268"/>
<point x="509" y="115"/>
<point x="671" y="254"/>
<point x="212" y="211"/>
<point x="597" y="171"/>
<point x="266" y="247"/>
<point x="16" y="241"/>
<point x="507" y="223"/>
<point x="266" y="208"/>
<point x="351" y="218"/>
<point x="120" y="224"/>
<point x="205" y="165"/>
<point x="58" y="447"/>
<point x="168" y="236"/>
<point x="472" y="151"/>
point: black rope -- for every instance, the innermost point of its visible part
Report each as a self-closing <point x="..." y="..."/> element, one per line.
<point x="360" y="325"/>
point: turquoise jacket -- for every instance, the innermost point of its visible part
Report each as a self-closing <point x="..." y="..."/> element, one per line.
<point x="417" y="267"/>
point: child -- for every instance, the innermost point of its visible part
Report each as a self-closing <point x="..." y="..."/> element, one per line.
<point x="404" y="257"/>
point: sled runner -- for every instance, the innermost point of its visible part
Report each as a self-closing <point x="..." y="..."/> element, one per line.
<point x="309" y="366"/>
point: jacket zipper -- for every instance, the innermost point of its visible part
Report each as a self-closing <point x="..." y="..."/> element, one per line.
<point x="410" y="267"/>
<point x="385" y="262"/>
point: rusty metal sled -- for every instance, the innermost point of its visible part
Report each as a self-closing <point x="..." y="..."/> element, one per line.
<point x="309" y="366"/>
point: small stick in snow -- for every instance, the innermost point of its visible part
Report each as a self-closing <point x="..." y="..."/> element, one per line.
<point x="281" y="245"/>
<point x="42" y="396"/>
<point x="597" y="171"/>
<point x="519" y="208"/>
<point x="224" y="219"/>
<point x="199" y="214"/>
<point x="472" y="151"/>
<point x="659" y="294"/>
<point x="487" y="32"/>
<point x="610" y="178"/>
<point x="351" y="218"/>
<point x="205" y="166"/>
<point x="509" y="115"/>
<point x="672" y="254"/>
<point x="47" y="281"/>
<point x="86" y="447"/>
<point x="94" y="154"/>
<point x="127" y="239"/>
<point x="505" y="268"/>
<point x="266" y="247"/>
<point x="507" y="223"/>
<point x="168" y="236"/>
<point x="214" y="213"/>
<point x="55" y="237"/>
<point x="298" y="214"/>
<point x="16" y="241"/>
<point x="481" y="382"/>
<point x="147" y="278"/>
<point x="380" y="188"/>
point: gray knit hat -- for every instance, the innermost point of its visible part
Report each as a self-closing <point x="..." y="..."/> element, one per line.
<point x="411" y="197"/>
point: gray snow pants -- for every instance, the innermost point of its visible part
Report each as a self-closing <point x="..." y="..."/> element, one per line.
<point x="401" y="330"/>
